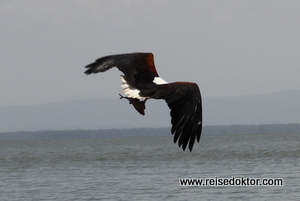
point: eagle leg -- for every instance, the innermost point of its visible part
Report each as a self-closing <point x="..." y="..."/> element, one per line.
<point x="137" y="104"/>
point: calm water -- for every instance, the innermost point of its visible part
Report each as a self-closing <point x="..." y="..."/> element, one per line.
<point x="148" y="168"/>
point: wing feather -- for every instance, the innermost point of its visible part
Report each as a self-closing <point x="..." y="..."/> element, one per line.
<point x="184" y="101"/>
<point x="101" y="65"/>
<point x="138" y="68"/>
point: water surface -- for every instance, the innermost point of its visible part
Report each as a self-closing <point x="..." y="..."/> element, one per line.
<point x="148" y="168"/>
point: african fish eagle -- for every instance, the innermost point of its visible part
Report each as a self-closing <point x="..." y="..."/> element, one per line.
<point x="141" y="82"/>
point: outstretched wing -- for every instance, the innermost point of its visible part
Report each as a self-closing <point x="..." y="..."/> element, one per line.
<point x="184" y="100"/>
<point x="186" y="113"/>
<point x="138" y="68"/>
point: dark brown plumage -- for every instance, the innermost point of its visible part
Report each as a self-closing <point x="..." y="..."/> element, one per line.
<point x="141" y="82"/>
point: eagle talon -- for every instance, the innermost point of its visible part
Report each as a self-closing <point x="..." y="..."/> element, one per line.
<point x="121" y="97"/>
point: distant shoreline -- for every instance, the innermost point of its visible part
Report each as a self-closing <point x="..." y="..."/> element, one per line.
<point x="147" y="132"/>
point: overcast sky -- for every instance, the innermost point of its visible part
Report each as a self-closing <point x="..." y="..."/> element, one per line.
<point x="229" y="48"/>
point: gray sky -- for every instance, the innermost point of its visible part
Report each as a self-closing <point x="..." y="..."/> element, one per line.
<point x="229" y="48"/>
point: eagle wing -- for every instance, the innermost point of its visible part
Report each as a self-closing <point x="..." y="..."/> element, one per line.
<point x="184" y="101"/>
<point x="138" y="68"/>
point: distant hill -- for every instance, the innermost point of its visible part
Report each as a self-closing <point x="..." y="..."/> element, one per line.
<point x="282" y="107"/>
<point x="148" y="132"/>
<point x="275" y="108"/>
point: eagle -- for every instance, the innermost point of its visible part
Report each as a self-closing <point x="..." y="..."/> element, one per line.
<point x="140" y="82"/>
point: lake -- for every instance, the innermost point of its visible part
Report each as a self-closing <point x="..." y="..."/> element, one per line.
<point x="149" y="168"/>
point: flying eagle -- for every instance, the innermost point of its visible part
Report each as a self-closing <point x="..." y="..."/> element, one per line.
<point x="141" y="82"/>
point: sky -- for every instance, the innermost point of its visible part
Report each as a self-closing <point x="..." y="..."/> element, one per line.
<point x="228" y="47"/>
